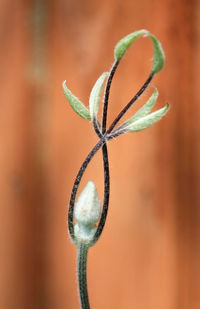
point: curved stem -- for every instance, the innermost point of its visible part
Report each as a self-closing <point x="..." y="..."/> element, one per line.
<point x="106" y="97"/>
<point x="130" y="103"/>
<point x="106" y="194"/>
<point x="105" y="157"/>
<point x="76" y="184"/>
<point x="82" y="275"/>
<point x="97" y="127"/>
<point x="106" y="165"/>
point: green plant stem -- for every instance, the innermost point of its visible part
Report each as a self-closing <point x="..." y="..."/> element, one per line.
<point x="82" y="275"/>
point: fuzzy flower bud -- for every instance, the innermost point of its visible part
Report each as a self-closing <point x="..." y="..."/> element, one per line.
<point x="87" y="213"/>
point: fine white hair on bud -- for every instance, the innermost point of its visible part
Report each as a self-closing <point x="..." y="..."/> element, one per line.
<point x="84" y="234"/>
<point x="88" y="207"/>
<point x="87" y="212"/>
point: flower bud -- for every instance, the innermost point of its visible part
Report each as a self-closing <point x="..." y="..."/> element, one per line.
<point x="84" y="234"/>
<point x="87" y="212"/>
<point x="87" y="209"/>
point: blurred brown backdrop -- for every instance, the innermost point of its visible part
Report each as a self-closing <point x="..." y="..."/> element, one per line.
<point x="148" y="256"/>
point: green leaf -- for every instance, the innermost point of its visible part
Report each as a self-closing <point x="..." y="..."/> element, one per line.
<point x="148" y="120"/>
<point x="125" y="42"/>
<point x="96" y="95"/>
<point x="159" y="56"/>
<point x="75" y="103"/>
<point x="145" y="109"/>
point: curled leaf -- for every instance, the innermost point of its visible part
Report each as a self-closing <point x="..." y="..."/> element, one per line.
<point x="125" y="42"/>
<point x="75" y="103"/>
<point x="147" y="121"/>
<point x="96" y="95"/>
<point x="159" y="56"/>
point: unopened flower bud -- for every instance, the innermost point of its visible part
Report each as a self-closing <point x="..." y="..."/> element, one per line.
<point x="87" y="212"/>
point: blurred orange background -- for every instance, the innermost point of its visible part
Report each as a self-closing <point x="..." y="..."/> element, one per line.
<point x="149" y="254"/>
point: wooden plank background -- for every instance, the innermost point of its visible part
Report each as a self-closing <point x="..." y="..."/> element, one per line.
<point x="148" y="256"/>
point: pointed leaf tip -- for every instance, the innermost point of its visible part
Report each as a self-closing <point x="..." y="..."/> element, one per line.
<point x="145" y="109"/>
<point x="75" y="103"/>
<point x="96" y="95"/>
<point x="159" y="55"/>
<point x="147" y="121"/>
<point x="122" y="46"/>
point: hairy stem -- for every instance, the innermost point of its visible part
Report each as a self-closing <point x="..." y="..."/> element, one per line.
<point x="106" y="97"/>
<point x="82" y="275"/>
<point x="97" y="127"/>
<point x="101" y="142"/>
<point x="105" y="157"/>
<point x="106" y="194"/>
<point x="76" y="185"/>
<point x="130" y="103"/>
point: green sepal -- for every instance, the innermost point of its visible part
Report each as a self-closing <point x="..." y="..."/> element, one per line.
<point x="75" y="103"/>
<point x="145" y="109"/>
<point x="159" y="56"/>
<point x="147" y="121"/>
<point x="96" y="95"/>
<point x="125" y="43"/>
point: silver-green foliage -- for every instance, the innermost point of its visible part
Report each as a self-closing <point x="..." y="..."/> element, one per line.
<point x="119" y="50"/>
